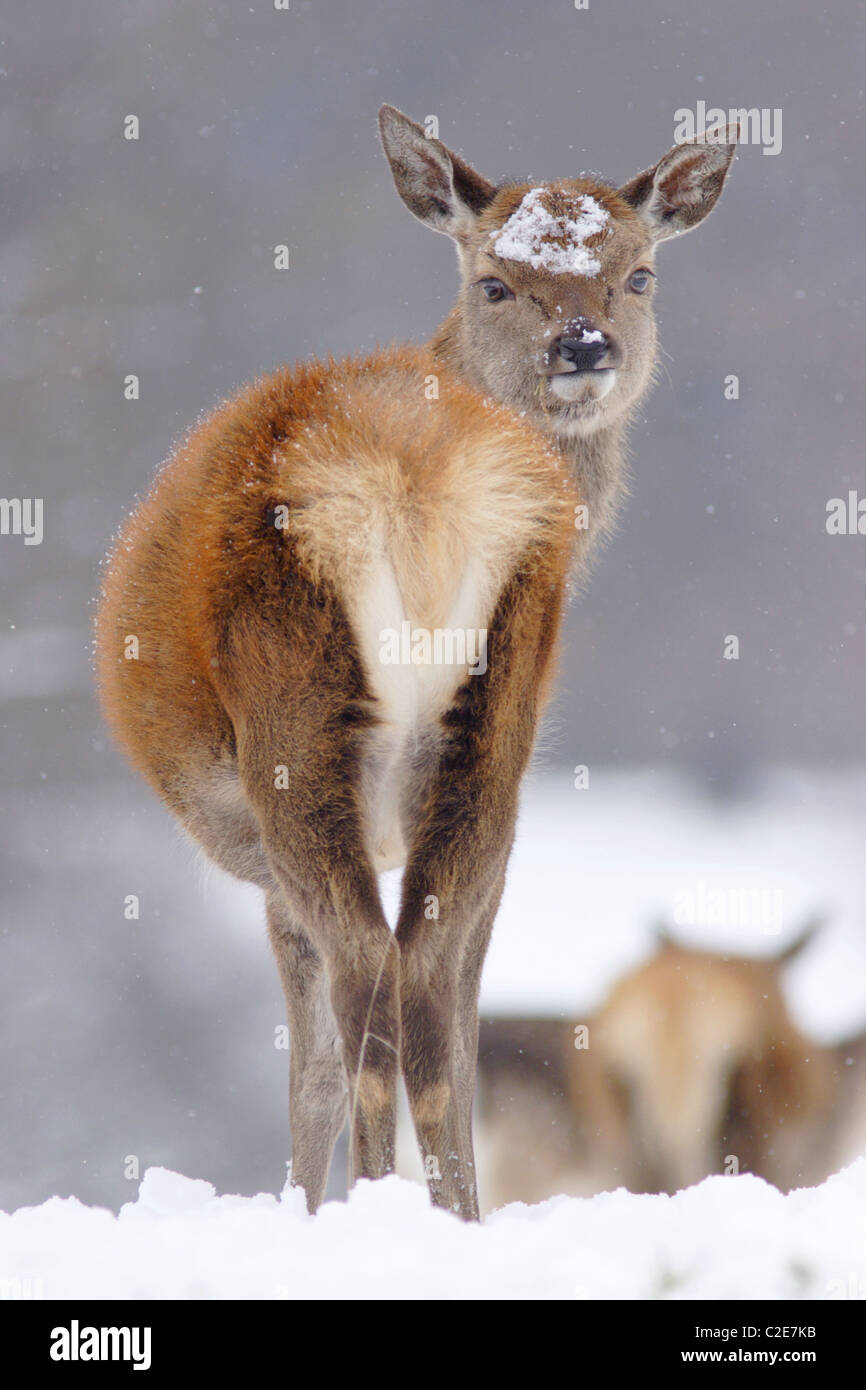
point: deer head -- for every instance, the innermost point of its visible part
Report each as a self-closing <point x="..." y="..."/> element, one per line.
<point x="555" y="311"/>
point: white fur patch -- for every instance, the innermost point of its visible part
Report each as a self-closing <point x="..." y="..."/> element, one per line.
<point x="411" y="695"/>
<point x="577" y="386"/>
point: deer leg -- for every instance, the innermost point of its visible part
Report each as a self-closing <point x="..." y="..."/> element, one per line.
<point x="365" y="997"/>
<point x="430" y="1074"/>
<point x="357" y="987"/>
<point x="466" y="1036"/>
<point x="317" y="1077"/>
<point x="317" y="855"/>
<point x="441" y="963"/>
<point x="461" y="827"/>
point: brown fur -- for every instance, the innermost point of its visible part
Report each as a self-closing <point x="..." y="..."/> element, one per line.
<point x="850" y="1079"/>
<point x="318" y="509"/>
<point x="248" y="661"/>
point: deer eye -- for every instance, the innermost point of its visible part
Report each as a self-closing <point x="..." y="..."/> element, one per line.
<point x="639" y="281"/>
<point x="495" y="291"/>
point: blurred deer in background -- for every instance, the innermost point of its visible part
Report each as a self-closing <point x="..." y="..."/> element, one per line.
<point x="693" y="1067"/>
<point x="251" y="646"/>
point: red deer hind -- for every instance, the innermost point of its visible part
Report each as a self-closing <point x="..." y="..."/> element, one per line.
<point x="345" y="598"/>
<point x="694" y="1066"/>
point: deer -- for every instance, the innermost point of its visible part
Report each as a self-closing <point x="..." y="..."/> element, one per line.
<point x="692" y="1066"/>
<point x="427" y="490"/>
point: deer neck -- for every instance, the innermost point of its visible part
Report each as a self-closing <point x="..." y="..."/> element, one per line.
<point x="597" y="459"/>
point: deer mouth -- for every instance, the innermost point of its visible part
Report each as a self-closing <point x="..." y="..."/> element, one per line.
<point x="579" y="388"/>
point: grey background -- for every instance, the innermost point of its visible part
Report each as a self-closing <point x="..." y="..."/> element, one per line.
<point x="258" y="127"/>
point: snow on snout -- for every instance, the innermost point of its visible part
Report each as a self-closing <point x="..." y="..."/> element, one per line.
<point x="537" y="237"/>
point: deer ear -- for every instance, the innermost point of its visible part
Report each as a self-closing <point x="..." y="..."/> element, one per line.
<point x="678" y="192"/>
<point x="807" y="933"/>
<point x="436" y="185"/>
<point x="663" y="936"/>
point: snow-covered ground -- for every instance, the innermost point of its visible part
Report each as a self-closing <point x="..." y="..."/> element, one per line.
<point x="591" y="872"/>
<point x="728" y="1238"/>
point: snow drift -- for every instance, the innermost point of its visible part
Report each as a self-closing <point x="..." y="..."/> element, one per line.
<point x="728" y="1238"/>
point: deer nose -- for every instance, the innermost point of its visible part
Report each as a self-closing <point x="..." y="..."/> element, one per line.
<point x="586" y="351"/>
